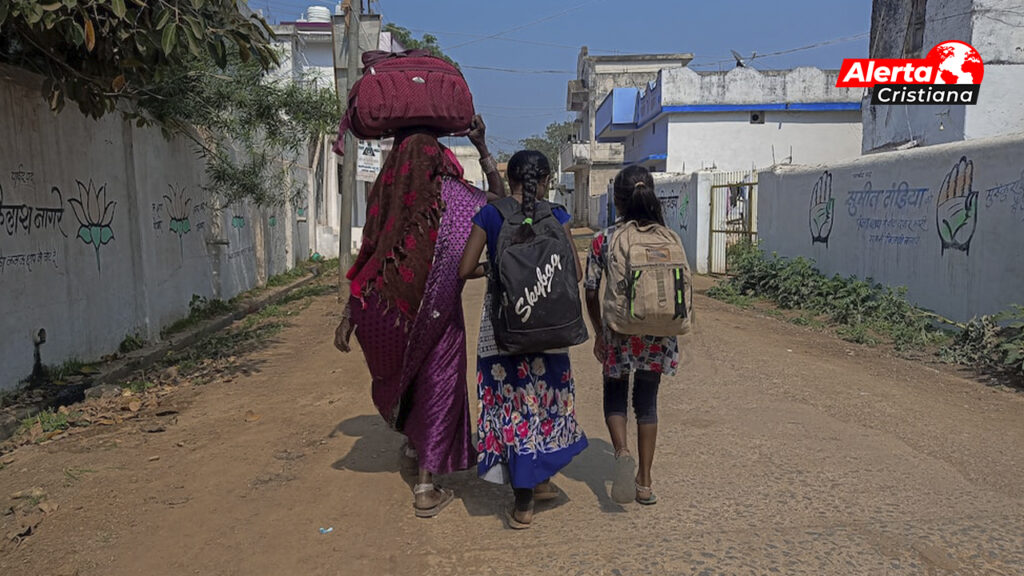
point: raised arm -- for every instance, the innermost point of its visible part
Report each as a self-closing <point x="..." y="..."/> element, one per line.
<point x="478" y="136"/>
<point x="470" y="267"/>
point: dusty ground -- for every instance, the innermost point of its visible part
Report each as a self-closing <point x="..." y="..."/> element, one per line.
<point x="781" y="451"/>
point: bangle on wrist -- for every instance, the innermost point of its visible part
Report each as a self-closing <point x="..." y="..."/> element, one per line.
<point x="488" y="164"/>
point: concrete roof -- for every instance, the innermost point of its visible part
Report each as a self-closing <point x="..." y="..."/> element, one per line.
<point x="685" y="57"/>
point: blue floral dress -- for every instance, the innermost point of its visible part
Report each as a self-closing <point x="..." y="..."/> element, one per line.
<point x="527" y="428"/>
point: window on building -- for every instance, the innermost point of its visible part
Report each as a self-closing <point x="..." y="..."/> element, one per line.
<point x="913" y="41"/>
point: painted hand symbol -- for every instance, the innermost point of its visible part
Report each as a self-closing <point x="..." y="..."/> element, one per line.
<point x="822" y="210"/>
<point x="957" y="208"/>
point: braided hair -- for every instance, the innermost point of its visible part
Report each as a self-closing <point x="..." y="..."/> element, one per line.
<point x="635" y="198"/>
<point x="529" y="168"/>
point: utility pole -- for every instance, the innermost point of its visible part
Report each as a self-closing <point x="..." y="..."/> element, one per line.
<point x="348" y="180"/>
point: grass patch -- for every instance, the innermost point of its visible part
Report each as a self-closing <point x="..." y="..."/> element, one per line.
<point x="200" y="309"/>
<point x="727" y="292"/>
<point x="137" y="386"/>
<point x="131" y="343"/>
<point x="49" y="420"/>
<point x="287" y="277"/>
<point x="865" y="312"/>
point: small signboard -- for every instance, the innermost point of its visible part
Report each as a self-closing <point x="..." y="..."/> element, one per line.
<point x="368" y="161"/>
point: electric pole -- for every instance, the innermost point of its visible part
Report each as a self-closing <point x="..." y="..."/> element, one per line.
<point x="348" y="180"/>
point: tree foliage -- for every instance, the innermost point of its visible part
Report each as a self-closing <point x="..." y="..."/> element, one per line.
<point x="429" y="42"/>
<point x="98" y="53"/>
<point x="249" y="128"/>
<point x="555" y="135"/>
<point x="197" y="68"/>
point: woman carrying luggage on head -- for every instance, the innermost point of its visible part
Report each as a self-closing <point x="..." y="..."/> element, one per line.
<point x="406" y="303"/>
<point x="527" y="430"/>
<point x="644" y="357"/>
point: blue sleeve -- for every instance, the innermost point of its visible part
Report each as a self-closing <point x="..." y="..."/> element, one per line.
<point x="487" y="218"/>
<point x="490" y="220"/>
<point x="562" y="216"/>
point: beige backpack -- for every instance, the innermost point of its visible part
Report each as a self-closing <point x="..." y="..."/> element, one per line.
<point x="648" y="288"/>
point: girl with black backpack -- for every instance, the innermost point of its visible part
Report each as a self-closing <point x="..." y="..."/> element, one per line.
<point x="647" y="358"/>
<point x="527" y="430"/>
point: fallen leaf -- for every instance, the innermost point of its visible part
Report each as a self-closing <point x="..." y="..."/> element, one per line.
<point x="251" y="416"/>
<point x="153" y="429"/>
<point x="48" y="507"/>
<point x="154" y="458"/>
<point x="64" y="410"/>
<point x="7" y="460"/>
<point x="177" y="501"/>
<point x="105" y="422"/>
<point x="34" y="492"/>
<point x="135" y="405"/>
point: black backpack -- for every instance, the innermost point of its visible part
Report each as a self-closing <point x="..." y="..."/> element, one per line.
<point x="535" y="293"/>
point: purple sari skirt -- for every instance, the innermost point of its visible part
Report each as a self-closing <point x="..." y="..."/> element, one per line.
<point x="419" y="366"/>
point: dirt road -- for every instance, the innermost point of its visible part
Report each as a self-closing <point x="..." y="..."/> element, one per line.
<point x="782" y="451"/>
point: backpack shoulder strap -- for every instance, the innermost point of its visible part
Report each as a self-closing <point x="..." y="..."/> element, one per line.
<point x="542" y="209"/>
<point x="507" y="207"/>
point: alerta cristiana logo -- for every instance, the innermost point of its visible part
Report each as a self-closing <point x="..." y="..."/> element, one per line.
<point x="950" y="74"/>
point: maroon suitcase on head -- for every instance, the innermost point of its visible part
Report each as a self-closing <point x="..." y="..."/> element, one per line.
<point x="406" y="90"/>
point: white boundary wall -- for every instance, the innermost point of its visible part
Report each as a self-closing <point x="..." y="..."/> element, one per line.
<point x="105" y="231"/>
<point x="945" y="221"/>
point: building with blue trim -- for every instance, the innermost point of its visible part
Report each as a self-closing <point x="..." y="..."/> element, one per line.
<point x="686" y="121"/>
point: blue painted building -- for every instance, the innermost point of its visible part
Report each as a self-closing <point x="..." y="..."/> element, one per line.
<point x="687" y="121"/>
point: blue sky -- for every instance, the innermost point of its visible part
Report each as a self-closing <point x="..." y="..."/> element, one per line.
<point x="550" y="33"/>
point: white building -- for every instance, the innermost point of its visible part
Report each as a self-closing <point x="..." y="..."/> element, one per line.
<point x="901" y="29"/>
<point x="315" y="49"/>
<point x="587" y="165"/>
<point x="738" y="120"/>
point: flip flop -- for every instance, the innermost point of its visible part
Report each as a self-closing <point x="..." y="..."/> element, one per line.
<point x="624" y="481"/>
<point x="510" y="517"/>
<point x="549" y="492"/>
<point x="446" y="498"/>
<point x="650" y="500"/>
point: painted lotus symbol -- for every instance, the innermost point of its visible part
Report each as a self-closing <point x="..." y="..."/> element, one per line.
<point x="238" y="222"/>
<point x="95" y="215"/>
<point x="177" y="210"/>
<point x="684" y="208"/>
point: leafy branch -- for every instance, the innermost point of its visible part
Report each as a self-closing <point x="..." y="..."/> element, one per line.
<point x="99" y="53"/>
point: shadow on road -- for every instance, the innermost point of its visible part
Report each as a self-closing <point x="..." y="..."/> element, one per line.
<point x="377" y="448"/>
<point x="594" y="467"/>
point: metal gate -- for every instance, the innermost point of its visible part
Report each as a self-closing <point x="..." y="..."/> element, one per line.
<point x="733" y="220"/>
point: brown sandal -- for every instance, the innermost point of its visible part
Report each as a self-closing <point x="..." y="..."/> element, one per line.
<point x="513" y="523"/>
<point x="446" y="498"/>
<point x="546" y="491"/>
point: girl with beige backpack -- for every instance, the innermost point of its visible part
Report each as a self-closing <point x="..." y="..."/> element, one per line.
<point x="646" y="302"/>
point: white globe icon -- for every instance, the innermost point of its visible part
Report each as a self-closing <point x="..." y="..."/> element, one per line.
<point x="958" y="63"/>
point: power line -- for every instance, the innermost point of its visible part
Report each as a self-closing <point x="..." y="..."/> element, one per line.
<point x="517" y="70"/>
<point x="497" y="107"/>
<point x="821" y="44"/>
<point x="514" y="40"/>
<point x="527" y="25"/>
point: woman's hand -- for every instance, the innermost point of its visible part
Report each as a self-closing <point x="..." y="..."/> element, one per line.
<point x="343" y="333"/>
<point x="600" y="350"/>
<point x="478" y="134"/>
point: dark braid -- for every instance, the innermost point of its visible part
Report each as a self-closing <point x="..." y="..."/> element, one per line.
<point x="635" y="198"/>
<point x="529" y="168"/>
